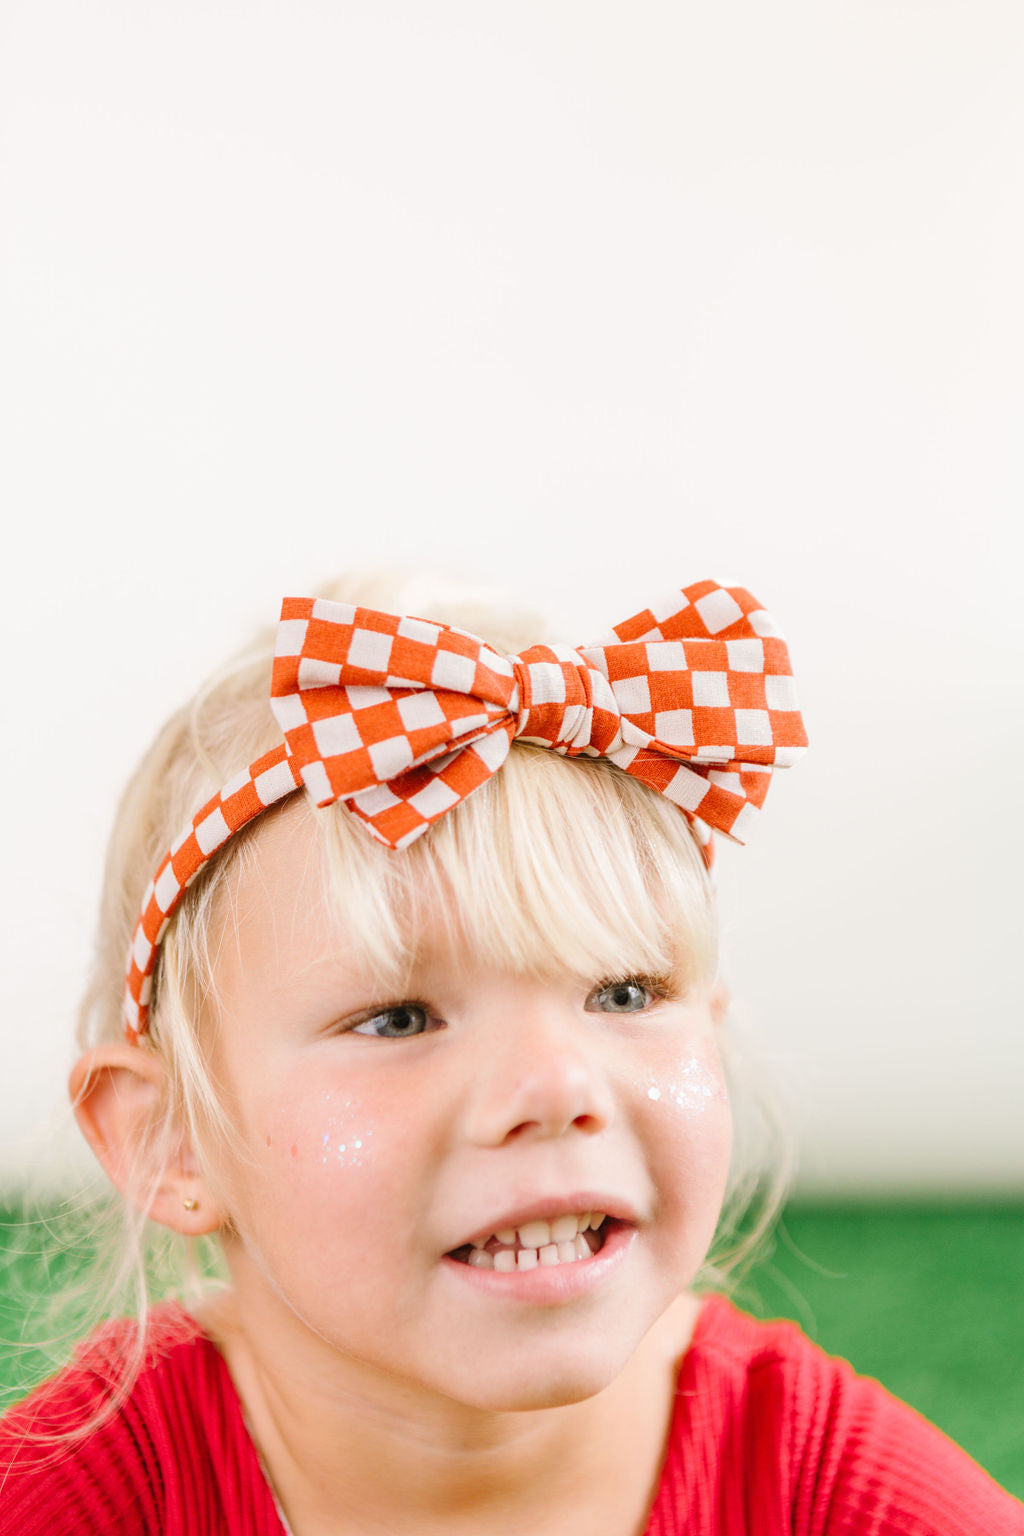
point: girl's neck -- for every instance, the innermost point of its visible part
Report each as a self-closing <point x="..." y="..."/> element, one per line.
<point x="359" y="1458"/>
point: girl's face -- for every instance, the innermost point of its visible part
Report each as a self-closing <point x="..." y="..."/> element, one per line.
<point x="389" y="1138"/>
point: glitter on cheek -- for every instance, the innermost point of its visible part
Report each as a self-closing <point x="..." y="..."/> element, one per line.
<point x="346" y="1139"/>
<point x="351" y="1154"/>
<point x="692" y="1086"/>
<point x="343" y="1138"/>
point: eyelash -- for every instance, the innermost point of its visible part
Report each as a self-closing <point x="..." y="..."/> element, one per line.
<point x="658" y="989"/>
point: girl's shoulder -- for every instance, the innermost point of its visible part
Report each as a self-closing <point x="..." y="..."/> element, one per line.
<point x="173" y="1454"/>
<point x="766" y="1420"/>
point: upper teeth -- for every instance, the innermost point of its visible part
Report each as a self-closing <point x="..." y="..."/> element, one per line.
<point x="538" y="1234"/>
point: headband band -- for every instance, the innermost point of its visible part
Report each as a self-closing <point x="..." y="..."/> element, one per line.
<point x="402" y="718"/>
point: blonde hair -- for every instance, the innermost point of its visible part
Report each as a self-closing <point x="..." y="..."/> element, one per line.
<point x="553" y="863"/>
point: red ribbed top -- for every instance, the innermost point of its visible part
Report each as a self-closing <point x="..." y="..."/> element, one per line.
<point x="769" y="1434"/>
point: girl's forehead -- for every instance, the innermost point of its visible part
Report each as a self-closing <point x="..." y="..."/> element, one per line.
<point x="312" y="888"/>
<point x="285" y="894"/>
<point x="287" y="908"/>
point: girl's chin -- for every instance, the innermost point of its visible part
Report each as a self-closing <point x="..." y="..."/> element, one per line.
<point x="562" y="1369"/>
<point x="527" y="1387"/>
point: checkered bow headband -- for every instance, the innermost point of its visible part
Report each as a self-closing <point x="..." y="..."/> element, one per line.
<point x="402" y="718"/>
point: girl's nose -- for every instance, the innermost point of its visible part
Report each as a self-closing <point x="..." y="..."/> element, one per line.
<point x="540" y="1076"/>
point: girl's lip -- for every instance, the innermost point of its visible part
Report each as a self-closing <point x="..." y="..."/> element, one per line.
<point x="548" y="1284"/>
<point x="575" y="1204"/>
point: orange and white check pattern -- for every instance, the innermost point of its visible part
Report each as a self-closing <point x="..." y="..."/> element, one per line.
<point x="402" y="718"/>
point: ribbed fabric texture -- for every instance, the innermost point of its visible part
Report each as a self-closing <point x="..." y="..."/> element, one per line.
<point x="773" y="1436"/>
<point x="769" y="1436"/>
<point x="175" y="1459"/>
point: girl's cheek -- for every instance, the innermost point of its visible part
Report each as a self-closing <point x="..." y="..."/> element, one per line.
<point x="684" y="1103"/>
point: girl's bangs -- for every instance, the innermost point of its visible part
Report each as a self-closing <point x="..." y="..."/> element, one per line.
<point x="554" y="865"/>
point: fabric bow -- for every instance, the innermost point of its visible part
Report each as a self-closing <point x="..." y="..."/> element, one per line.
<point x="402" y="718"/>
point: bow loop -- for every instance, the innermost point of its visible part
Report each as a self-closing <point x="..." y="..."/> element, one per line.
<point x="364" y="698"/>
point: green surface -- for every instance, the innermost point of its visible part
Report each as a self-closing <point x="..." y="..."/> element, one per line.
<point x="927" y="1299"/>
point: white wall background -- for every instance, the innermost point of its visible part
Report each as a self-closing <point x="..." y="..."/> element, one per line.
<point x="584" y="299"/>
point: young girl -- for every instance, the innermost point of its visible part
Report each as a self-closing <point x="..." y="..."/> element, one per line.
<point x="421" y="1023"/>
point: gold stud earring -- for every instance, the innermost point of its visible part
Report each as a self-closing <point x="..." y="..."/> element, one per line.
<point x="190" y="1204"/>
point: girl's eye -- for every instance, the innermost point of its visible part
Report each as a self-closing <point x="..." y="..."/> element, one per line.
<point x="628" y="996"/>
<point x="394" y="1023"/>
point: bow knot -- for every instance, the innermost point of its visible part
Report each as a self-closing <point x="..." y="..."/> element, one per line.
<point x="563" y="702"/>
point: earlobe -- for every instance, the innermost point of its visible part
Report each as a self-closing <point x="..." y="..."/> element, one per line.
<point x="720" y="1001"/>
<point x="116" y="1094"/>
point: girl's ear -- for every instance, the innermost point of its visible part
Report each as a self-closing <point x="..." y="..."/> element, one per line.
<point x="720" y="1000"/>
<point x="116" y="1093"/>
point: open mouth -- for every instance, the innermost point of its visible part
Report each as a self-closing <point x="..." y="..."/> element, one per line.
<point x="540" y="1244"/>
